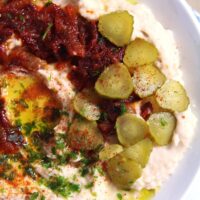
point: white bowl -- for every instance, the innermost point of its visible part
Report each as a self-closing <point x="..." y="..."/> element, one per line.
<point x="178" y="16"/>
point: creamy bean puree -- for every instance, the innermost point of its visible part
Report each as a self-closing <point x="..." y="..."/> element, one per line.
<point x="73" y="180"/>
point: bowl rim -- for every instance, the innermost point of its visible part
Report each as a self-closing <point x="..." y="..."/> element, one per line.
<point x="192" y="16"/>
<point x="191" y="186"/>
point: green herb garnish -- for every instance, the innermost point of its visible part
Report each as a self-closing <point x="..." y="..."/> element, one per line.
<point x="73" y="155"/>
<point x="28" y="127"/>
<point x="50" y="25"/>
<point x="42" y="197"/>
<point x="23" y="103"/>
<point x="119" y="196"/>
<point x="9" y="15"/>
<point x="89" y="185"/>
<point x="30" y="171"/>
<point x="21" y="17"/>
<point x="60" y="144"/>
<point x="49" y="2"/>
<point x="123" y="108"/>
<point x="104" y="116"/>
<point x="64" y="113"/>
<point x="84" y="171"/>
<point x="163" y="122"/>
<point x="34" y="196"/>
<point x="62" y="186"/>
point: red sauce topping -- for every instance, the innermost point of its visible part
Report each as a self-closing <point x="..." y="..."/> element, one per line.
<point x="10" y="137"/>
<point x="146" y="110"/>
<point x="60" y="34"/>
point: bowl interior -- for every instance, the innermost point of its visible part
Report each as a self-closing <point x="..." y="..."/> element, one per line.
<point x="178" y="16"/>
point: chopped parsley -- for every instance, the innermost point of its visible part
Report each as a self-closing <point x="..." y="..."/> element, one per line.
<point x="34" y="196"/>
<point x="2" y="190"/>
<point x="73" y="155"/>
<point x="62" y="159"/>
<point x="95" y="73"/>
<point x="100" y="170"/>
<point x="23" y="103"/>
<point x="53" y="150"/>
<point x="42" y="197"/>
<point x="89" y="185"/>
<point x="9" y="175"/>
<point x="60" y="144"/>
<point x="84" y="171"/>
<point x="64" y="113"/>
<point x="47" y="163"/>
<point x="50" y="25"/>
<point x="62" y="186"/>
<point x="21" y="17"/>
<point x="123" y="108"/>
<point x="3" y="158"/>
<point x="48" y="3"/>
<point x="9" y="15"/>
<point x="28" y="127"/>
<point x="21" y="84"/>
<point x="163" y="122"/>
<point x="18" y="123"/>
<point x="4" y="84"/>
<point x="50" y="77"/>
<point x="104" y="116"/>
<point x="119" y="196"/>
<point x="33" y="156"/>
<point x="30" y="171"/>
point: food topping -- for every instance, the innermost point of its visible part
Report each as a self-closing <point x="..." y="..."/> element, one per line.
<point x="86" y="104"/>
<point x="115" y="82"/>
<point x="140" y="52"/>
<point x="162" y="126"/>
<point x="140" y="152"/>
<point x="123" y="171"/>
<point x="147" y="79"/>
<point x="131" y="129"/>
<point x="59" y="34"/>
<point x="84" y="135"/>
<point x="110" y="151"/>
<point x="11" y="138"/>
<point x="123" y="104"/>
<point x="117" y="27"/>
<point x="172" y="96"/>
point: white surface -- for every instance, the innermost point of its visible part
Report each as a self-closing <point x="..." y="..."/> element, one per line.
<point x="161" y="164"/>
<point x="195" y="4"/>
<point x="178" y="16"/>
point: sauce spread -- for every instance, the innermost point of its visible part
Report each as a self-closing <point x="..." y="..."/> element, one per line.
<point x="59" y="34"/>
<point x="10" y="137"/>
<point x="52" y="34"/>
